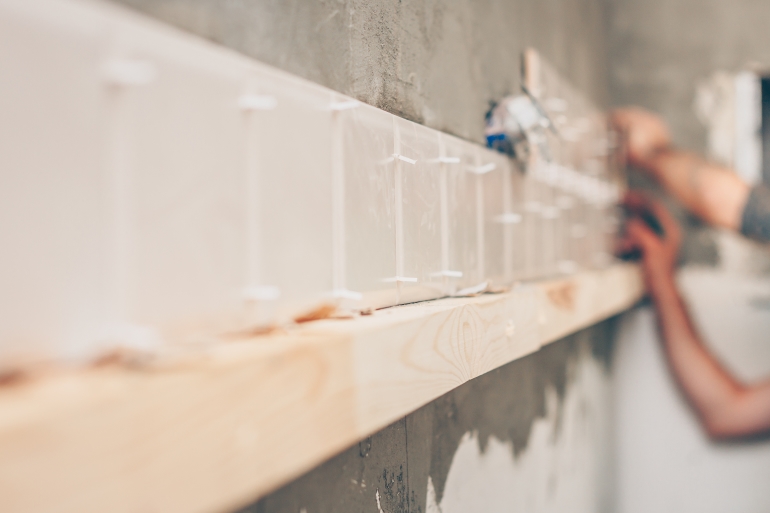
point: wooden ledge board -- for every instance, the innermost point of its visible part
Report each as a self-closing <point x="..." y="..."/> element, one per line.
<point x="220" y="431"/>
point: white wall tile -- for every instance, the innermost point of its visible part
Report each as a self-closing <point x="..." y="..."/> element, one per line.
<point x="52" y="185"/>
<point x="422" y="213"/>
<point x="156" y="186"/>
<point x="369" y="167"/>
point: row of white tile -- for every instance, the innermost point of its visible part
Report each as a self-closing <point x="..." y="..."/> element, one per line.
<point x="154" y="186"/>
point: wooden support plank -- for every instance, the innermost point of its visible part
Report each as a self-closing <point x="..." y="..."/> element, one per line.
<point x="220" y="429"/>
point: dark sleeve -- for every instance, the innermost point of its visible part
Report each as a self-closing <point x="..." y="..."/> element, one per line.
<point x="755" y="222"/>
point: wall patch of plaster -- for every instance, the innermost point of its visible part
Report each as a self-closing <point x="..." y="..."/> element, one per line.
<point x="560" y="469"/>
<point x="379" y="506"/>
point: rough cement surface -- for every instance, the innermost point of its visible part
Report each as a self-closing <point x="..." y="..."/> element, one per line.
<point x="500" y="407"/>
<point x="661" y="49"/>
<point x="435" y="62"/>
<point x="352" y="481"/>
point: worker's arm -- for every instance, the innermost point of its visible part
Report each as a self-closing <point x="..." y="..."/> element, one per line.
<point x="712" y="192"/>
<point x="726" y="407"/>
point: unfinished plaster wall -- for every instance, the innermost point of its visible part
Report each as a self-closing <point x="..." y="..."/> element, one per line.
<point x="661" y="50"/>
<point x="434" y="62"/>
<point x="531" y="436"/>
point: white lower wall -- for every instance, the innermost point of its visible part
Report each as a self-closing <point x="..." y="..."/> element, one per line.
<point x="563" y="469"/>
<point x="665" y="462"/>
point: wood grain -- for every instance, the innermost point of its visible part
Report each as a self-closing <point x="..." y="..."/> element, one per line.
<point x="246" y="416"/>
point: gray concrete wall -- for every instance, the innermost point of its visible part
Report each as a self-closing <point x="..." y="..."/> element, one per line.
<point x="660" y="49"/>
<point x="434" y="62"/>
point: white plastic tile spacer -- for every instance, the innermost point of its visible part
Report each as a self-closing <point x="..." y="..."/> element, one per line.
<point x="470" y="291"/>
<point x="129" y="72"/>
<point x="508" y="218"/>
<point x="404" y="159"/>
<point x="448" y="274"/>
<point x="395" y="157"/>
<point x="261" y="293"/>
<point x="347" y="105"/>
<point x="445" y="160"/>
<point x="399" y="279"/>
<point x="481" y="170"/>
<point x="252" y="102"/>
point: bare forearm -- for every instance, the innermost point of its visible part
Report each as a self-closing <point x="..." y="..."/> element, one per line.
<point x="726" y="407"/>
<point x="712" y="192"/>
<point x="704" y="382"/>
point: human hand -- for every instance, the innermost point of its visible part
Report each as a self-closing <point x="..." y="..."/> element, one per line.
<point x="645" y="133"/>
<point x="658" y="250"/>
